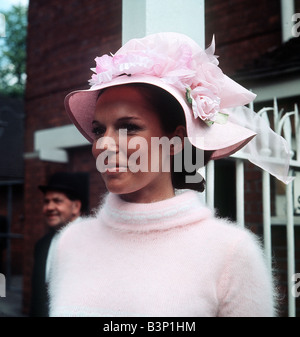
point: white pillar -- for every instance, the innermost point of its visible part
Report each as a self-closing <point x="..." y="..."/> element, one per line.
<point x="287" y="11"/>
<point x="144" y="17"/>
<point x="267" y="218"/>
<point x="290" y="250"/>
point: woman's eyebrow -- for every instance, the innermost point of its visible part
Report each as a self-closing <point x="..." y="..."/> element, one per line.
<point x="126" y="119"/>
<point x="121" y="119"/>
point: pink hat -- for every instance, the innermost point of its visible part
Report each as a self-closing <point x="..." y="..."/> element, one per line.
<point x="177" y="64"/>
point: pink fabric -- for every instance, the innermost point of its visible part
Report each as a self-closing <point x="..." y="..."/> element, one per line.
<point x="171" y="258"/>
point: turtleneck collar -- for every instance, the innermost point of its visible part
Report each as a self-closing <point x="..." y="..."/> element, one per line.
<point x="183" y="209"/>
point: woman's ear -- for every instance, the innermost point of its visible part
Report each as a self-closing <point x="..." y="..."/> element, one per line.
<point x="178" y="139"/>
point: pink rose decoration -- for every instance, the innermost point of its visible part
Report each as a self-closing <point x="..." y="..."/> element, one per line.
<point x="103" y="70"/>
<point x="205" y="104"/>
<point x="104" y="63"/>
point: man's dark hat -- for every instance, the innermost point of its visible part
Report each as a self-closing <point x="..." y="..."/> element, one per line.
<point x="74" y="185"/>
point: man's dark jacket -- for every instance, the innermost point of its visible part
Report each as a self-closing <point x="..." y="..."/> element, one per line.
<point x="39" y="297"/>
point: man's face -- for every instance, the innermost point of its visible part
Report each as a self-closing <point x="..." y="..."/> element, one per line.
<point x="59" y="210"/>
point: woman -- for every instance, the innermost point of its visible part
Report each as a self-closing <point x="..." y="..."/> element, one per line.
<point x="153" y="248"/>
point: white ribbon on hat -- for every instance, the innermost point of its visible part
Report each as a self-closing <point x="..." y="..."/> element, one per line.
<point x="267" y="150"/>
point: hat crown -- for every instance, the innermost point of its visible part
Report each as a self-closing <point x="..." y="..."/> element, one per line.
<point x="64" y="179"/>
<point x="179" y="61"/>
<point x="168" y="43"/>
<point x="173" y="57"/>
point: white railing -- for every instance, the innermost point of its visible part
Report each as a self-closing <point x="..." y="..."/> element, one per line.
<point x="285" y="124"/>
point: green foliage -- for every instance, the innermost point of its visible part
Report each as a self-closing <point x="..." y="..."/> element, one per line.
<point x="13" y="52"/>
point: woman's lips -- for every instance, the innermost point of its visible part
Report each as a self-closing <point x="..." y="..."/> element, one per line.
<point x="115" y="168"/>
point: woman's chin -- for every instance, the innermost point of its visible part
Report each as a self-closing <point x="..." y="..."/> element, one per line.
<point x="117" y="188"/>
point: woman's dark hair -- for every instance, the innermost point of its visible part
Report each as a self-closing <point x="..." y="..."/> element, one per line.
<point x="172" y="115"/>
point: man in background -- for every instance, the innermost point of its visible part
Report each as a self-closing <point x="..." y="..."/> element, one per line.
<point x="65" y="200"/>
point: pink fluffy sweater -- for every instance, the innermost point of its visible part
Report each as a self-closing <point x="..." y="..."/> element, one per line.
<point x="170" y="258"/>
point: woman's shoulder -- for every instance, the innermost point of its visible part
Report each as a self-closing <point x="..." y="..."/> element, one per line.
<point x="77" y="229"/>
<point x="229" y="232"/>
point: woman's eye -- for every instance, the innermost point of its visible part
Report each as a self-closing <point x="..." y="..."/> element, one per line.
<point x="129" y="127"/>
<point x="98" y="131"/>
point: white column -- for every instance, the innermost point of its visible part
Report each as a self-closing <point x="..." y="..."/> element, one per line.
<point x="287" y="11"/>
<point x="144" y="17"/>
<point x="290" y="250"/>
<point x="267" y="218"/>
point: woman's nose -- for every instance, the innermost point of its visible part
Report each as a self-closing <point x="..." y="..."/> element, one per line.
<point x="107" y="143"/>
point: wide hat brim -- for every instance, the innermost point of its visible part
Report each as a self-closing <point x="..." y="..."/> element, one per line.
<point x="222" y="139"/>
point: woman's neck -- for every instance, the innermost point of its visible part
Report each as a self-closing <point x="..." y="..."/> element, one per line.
<point x="184" y="208"/>
<point x="154" y="193"/>
<point x="147" y="197"/>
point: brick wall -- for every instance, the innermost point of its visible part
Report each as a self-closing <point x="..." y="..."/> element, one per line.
<point x="243" y="29"/>
<point x="297" y="6"/>
<point x="81" y="159"/>
<point x="17" y="227"/>
<point x="64" y="37"/>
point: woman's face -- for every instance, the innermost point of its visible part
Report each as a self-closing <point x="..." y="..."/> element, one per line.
<point x="124" y="125"/>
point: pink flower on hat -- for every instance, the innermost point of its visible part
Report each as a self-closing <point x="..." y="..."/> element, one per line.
<point x="205" y="104"/>
<point x="196" y="73"/>
<point x="132" y="63"/>
<point x="103" y="64"/>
